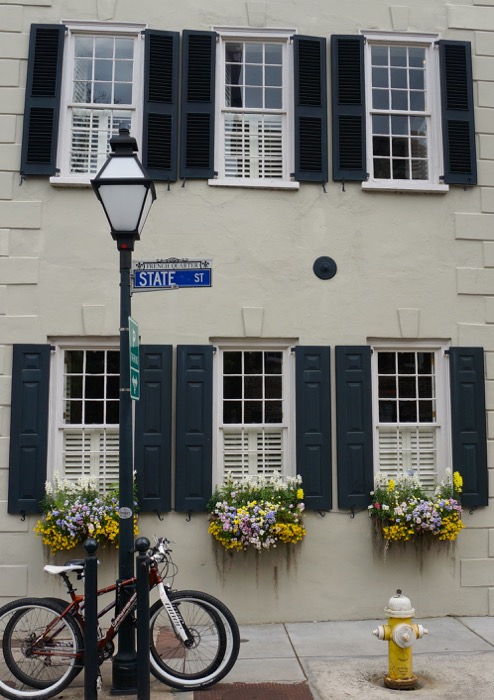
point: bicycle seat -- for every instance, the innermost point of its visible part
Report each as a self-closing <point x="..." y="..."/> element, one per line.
<point x="75" y="565"/>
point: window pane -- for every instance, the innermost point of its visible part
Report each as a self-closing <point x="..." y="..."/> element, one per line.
<point x="418" y="126"/>
<point x="253" y="97"/>
<point x="380" y="99"/>
<point x="408" y="412"/>
<point x="380" y="146"/>
<point x="398" y="56"/>
<point x="400" y="147"/>
<point x="382" y="168"/>
<point x="416" y="57"/>
<point x="273" y="362"/>
<point x="83" y="46"/>
<point x="380" y="124"/>
<point x="122" y="93"/>
<point x="103" y="70"/>
<point x="113" y="362"/>
<point x="232" y="387"/>
<point x="399" y="100"/>
<point x="406" y="387"/>
<point x="379" y="55"/>
<point x="417" y="101"/>
<point x="95" y="362"/>
<point x="387" y="412"/>
<point x="112" y="387"/>
<point x="94" y="387"/>
<point x="387" y="387"/>
<point x="273" y="76"/>
<point x="406" y="362"/>
<point x="232" y="412"/>
<point x="417" y="81"/>
<point x="123" y="71"/>
<point x="273" y="54"/>
<point x="253" y="362"/>
<point x="102" y="93"/>
<point x="112" y="412"/>
<point x="380" y="77"/>
<point x="232" y="363"/>
<point x="420" y="170"/>
<point x="124" y="48"/>
<point x="93" y="412"/>
<point x="425" y="387"/>
<point x="399" y="78"/>
<point x="425" y="362"/>
<point x="386" y="362"/>
<point x="253" y="75"/>
<point x="73" y="412"/>
<point x="233" y="52"/>
<point x="73" y="389"/>
<point x="253" y="412"/>
<point x="103" y="47"/>
<point x="399" y="125"/>
<point x="253" y="387"/>
<point x="253" y="52"/>
<point x="273" y="412"/>
<point x="426" y="411"/>
<point x="273" y="98"/>
<point x="272" y="387"/>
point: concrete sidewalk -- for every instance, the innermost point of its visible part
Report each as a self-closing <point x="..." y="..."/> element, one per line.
<point x="343" y="660"/>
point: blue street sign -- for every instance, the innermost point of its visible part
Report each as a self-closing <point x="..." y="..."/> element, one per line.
<point x="134" y="359"/>
<point x="171" y="274"/>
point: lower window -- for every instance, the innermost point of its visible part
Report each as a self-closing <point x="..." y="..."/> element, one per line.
<point x="253" y="414"/>
<point x="410" y="412"/>
<point x="86" y="442"/>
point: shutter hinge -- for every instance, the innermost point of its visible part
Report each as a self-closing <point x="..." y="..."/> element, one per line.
<point x="52" y="348"/>
<point x="446" y="352"/>
<point x="23" y="515"/>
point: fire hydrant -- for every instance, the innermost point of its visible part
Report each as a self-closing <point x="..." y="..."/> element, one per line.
<point x="401" y="634"/>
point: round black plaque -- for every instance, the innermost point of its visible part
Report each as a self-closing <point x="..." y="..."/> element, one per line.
<point x="324" y="267"/>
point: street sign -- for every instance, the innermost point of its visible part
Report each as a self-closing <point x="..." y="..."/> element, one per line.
<point x="172" y="273"/>
<point x="134" y="359"/>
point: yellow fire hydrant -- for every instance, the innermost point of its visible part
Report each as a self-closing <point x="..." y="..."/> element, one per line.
<point x="401" y="634"/>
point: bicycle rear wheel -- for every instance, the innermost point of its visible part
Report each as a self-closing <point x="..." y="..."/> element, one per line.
<point x="41" y="652"/>
<point x="215" y="641"/>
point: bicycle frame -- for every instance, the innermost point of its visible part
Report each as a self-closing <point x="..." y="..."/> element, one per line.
<point x="155" y="580"/>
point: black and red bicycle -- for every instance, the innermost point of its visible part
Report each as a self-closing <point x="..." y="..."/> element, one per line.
<point x="194" y="638"/>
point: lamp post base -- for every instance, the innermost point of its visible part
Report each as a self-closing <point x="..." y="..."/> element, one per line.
<point x="124" y="677"/>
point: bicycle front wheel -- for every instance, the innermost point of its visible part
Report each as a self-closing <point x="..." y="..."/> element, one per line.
<point x="213" y="647"/>
<point x="41" y="652"/>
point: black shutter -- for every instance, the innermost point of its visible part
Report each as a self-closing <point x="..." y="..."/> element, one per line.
<point x="42" y="101"/>
<point x="313" y="425"/>
<point x="28" y="427"/>
<point x="468" y="423"/>
<point x="460" y="159"/>
<point x="160" y="114"/>
<point x="153" y="429"/>
<point x="194" y="459"/>
<point x="354" y="426"/>
<point x="311" y="110"/>
<point x="348" y="108"/>
<point x="198" y="104"/>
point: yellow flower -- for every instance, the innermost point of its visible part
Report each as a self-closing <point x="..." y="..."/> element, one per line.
<point x="300" y="494"/>
<point x="457" y="482"/>
<point x="391" y="485"/>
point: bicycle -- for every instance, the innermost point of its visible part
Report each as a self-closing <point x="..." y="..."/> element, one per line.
<point x="194" y="638"/>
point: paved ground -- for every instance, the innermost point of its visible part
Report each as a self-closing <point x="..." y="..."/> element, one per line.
<point x="343" y="660"/>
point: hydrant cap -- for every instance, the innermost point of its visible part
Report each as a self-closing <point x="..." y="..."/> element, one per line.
<point x="399" y="606"/>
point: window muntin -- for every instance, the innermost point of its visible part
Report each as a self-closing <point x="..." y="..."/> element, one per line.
<point x="403" y="104"/>
<point x="410" y="413"/>
<point x="90" y="415"/>
<point x="101" y="94"/>
<point x="253" y="412"/>
<point x="254" y="118"/>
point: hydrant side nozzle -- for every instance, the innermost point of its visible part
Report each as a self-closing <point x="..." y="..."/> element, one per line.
<point x="421" y="630"/>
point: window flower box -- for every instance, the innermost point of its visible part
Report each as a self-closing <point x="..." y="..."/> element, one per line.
<point x="74" y="511"/>
<point x="403" y="510"/>
<point x="257" y="513"/>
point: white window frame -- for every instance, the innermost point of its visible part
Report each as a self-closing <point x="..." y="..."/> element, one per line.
<point x="442" y="423"/>
<point x="228" y="34"/>
<point x="435" y="151"/>
<point x="73" y="29"/>
<point x="57" y="427"/>
<point x="288" y="398"/>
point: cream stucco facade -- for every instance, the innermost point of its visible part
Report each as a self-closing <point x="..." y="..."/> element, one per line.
<point x="410" y="266"/>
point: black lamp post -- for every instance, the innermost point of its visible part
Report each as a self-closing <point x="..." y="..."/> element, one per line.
<point x="126" y="193"/>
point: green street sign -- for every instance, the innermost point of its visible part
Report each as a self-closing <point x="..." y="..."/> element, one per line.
<point x="134" y="359"/>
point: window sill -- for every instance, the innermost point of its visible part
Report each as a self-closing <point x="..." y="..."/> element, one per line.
<point x="393" y="186"/>
<point x="255" y="183"/>
<point x="72" y="181"/>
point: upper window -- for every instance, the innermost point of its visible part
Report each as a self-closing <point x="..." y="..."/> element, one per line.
<point x="254" y="412"/>
<point x="403" y="112"/>
<point x="87" y="404"/>
<point x="254" y="109"/>
<point x="100" y="95"/>
<point x="403" y="122"/>
<point x="410" y="412"/>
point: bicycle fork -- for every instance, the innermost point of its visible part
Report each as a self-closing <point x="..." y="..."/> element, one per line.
<point x="174" y="615"/>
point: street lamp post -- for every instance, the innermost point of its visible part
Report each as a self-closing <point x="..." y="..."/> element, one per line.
<point x="126" y="193"/>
